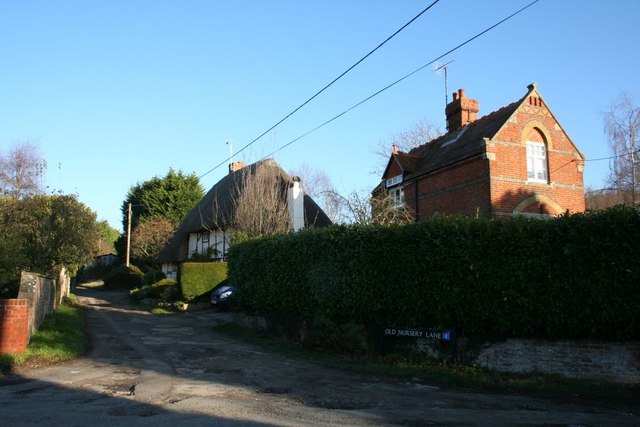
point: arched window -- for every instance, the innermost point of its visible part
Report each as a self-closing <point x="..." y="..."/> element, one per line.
<point x="537" y="157"/>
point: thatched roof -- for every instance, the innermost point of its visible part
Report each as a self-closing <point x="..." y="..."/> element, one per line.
<point x="215" y="210"/>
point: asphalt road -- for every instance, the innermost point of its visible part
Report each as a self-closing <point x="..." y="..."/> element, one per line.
<point x="145" y="369"/>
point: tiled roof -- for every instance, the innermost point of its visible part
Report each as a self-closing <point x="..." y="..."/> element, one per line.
<point x="460" y="144"/>
<point x="408" y="162"/>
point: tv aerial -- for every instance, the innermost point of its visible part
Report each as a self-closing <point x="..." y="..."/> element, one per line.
<point x="437" y="68"/>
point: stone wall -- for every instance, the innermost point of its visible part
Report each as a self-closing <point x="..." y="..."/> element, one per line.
<point x="608" y="361"/>
<point x="41" y="292"/>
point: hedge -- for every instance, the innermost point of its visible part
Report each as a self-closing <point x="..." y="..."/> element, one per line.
<point x="167" y="289"/>
<point x="575" y="276"/>
<point x="197" y="278"/>
<point x="123" y="277"/>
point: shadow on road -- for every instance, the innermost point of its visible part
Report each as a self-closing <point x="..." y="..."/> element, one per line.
<point x="144" y="368"/>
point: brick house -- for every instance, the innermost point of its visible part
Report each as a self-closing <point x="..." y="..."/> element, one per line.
<point x="517" y="160"/>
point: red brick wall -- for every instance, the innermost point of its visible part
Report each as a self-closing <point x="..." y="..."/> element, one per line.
<point x="460" y="189"/>
<point x="394" y="170"/>
<point x="14" y="325"/>
<point x="509" y="184"/>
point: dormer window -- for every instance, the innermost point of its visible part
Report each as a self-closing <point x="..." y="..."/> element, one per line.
<point x="393" y="181"/>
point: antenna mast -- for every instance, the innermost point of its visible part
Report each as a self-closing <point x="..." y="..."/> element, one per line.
<point x="446" y="89"/>
<point x="230" y="144"/>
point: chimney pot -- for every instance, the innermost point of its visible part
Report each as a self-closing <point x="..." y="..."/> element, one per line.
<point x="395" y="149"/>
<point x="235" y="166"/>
<point x="455" y="96"/>
<point x="461" y="92"/>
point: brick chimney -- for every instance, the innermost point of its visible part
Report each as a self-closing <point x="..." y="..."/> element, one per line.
<point x="235" y="166"/>
<point x="461" y="111"/>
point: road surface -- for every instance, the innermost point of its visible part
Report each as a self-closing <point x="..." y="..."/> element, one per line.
<point x="145" y="369"/>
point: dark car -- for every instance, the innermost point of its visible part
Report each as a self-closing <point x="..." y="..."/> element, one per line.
<point x="222" y="295"/>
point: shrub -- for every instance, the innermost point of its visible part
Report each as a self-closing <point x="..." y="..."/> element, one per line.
<point x="152" y="276"/>
<point x="198" y="278"/>
<point x="93" y="272"/>
<point x="575" y="276"/>
<point x="123" y="277"/>
<point x="166" y="289"/>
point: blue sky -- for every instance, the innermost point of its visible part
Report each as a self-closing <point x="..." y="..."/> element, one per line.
<point x="116" y="92"/>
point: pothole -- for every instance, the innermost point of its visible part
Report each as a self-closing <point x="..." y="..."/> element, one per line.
<point x="31" y="390"/>
<point x="122" y="389"/>
<point x="341" y="404"/>
<point x="132" y="411"/>
<point x="83" y="400"/>
<point x="274" y="390"/>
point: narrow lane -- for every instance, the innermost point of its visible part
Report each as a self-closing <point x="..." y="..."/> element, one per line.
<point x="147" y="369"/>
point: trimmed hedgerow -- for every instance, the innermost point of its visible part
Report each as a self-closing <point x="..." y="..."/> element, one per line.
<point x="197" y="278"/>
<point x="575" y="276"/>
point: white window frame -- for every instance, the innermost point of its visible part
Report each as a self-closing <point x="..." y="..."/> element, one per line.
<point x="393" y="181"/>
<point x="397" y="196"/>
<point x="537" y="166"/>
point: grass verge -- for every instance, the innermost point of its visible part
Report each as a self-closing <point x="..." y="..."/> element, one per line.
<point x="444" y="374"/>
<point x="60" y="337"/>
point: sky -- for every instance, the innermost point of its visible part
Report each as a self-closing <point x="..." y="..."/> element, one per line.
<point x="116" y="92"/>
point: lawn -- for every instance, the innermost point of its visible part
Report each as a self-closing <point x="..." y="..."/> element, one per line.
<point x="60" y="337"/>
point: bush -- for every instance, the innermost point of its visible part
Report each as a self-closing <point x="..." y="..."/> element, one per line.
<point x="166" y="289"/>
<point x="123" y="277"/>
<point x="10" y="289"/>
<point x="575" y="276"/>
<point x="152" y="276"/>
<point x="198" y="278"/>
<point x="93" y="272"/>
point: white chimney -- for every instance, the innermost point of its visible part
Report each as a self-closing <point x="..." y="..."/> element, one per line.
<point x="295" y="199"/>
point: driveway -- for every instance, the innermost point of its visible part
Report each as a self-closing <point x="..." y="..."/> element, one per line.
<point x="145" y="369"/>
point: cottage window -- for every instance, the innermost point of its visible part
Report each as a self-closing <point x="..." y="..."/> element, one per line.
<point x="397" y="196"/>
<point x="205" y="243"/>
<point x="537" y="161"/>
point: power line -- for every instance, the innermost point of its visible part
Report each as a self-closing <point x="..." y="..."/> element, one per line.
<point x="389" y="86"/>
<point x="324" y="88"/>
<point x="612" y="157"/>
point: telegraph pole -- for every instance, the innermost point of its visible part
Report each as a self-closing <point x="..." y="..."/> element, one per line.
<point x="128" y="235"/>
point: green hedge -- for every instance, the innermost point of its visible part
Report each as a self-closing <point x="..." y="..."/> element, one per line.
<point x="575" y="276"/>
<point x="197" y="278"/>
<point x="123" y="277"/>
<point x="167" y="289"/>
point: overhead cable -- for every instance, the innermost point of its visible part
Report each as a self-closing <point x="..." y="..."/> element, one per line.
<point x="389" y="86"/>
<point x="324" y="88"/>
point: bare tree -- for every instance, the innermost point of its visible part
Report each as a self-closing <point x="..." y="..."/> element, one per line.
<point x="260" y="205"/>
<point x="622" y="125"/>
<point x="359" y="207"/>
<point x="602" y="198"/>
<point x="149" y="237"/>
<point x="21" y="170"/>
<point x="420" y="133"/>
